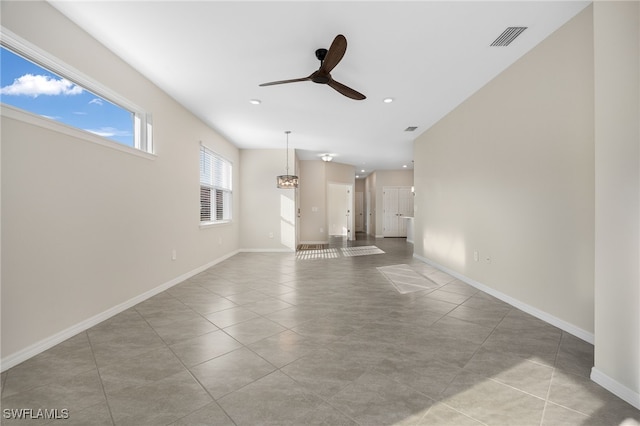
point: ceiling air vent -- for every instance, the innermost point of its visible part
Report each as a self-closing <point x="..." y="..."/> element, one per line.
<point x="410" y="128"/>
<point x="508" y="36"/>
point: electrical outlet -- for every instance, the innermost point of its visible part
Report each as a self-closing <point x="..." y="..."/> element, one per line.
<point x="487" y="258"/>
<point x="270" y="234"/>
<point x="476" y="256"/>
<point x="174" y="254"/>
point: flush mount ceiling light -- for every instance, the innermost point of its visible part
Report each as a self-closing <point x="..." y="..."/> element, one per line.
<point x="287" y="181"/>
<point x="255" y="101"/>
<point x="326" y="157"/>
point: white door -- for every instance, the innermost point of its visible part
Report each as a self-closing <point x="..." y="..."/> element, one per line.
<point x="350" y="219"/>
<point x="359" y="212"/>
<point x="339" y="210"/>
<point x="397" y="202"/>
<point x="405" y="208"/>
<point x="390" y="221"/>
<point x="367" y="212"/>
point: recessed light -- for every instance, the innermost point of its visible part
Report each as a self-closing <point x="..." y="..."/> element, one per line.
<point x="387" y="100"/>
<point x="404" y="165"/>
<point x="362" y="171"/>
<point x="357" y="176"/>
<point x="255" y="101"/>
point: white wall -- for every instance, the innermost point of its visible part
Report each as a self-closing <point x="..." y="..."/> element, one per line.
<point x="617" y="198"/>
<point x="510" y="174"/>
<point x="267" y="213"/>
<point x="341" y="173"/>
<point x="315" y="176"/>
<point x="313" y="202"/>
<point x="86" y="228"/>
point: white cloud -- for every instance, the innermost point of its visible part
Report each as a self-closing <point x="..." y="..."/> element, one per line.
<point x="108" y="132"/>
<point x="36" y="85"/>
<point x="96" y="101"/>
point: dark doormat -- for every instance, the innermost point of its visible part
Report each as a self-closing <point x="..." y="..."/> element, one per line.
<point x="312" y="246"/>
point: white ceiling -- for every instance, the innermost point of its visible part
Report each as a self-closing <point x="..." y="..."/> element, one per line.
<point x="428" y="56"/>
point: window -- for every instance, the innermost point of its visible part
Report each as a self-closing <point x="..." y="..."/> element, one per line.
<point x="33" y="81"/>
<point x="215" y="187"/>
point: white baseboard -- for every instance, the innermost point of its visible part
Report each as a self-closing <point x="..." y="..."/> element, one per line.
<point x="314" y="242"/>
<point x="544" y="316"/>
<point x="616" y="388"/>
<point x="49" y="342"/>
<point x="265" y="250"/>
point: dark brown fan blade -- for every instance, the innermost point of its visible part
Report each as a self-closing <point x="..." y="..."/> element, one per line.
<point x="335" y="54"/>
<point x="295" y="80"/>
<point x="347" y="91"/>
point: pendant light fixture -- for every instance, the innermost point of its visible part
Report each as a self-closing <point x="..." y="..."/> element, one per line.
<point x="287" y="181"/>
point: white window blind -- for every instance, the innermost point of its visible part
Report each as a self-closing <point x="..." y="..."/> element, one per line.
<point x="215" y="187"/>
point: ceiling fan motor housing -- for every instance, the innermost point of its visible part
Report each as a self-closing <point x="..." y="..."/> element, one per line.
<point x="319" y="76"/>
<point x="321" y="53"/>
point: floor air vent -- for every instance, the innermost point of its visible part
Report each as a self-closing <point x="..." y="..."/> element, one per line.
<point x="508" y="36"/>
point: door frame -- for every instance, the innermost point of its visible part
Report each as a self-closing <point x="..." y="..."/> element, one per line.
<point x="350" y="219"/>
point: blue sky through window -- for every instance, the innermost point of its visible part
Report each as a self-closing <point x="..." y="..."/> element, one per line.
<point x="30" y="87"/>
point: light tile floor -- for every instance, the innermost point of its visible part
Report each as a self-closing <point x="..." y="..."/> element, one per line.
<point x="271" y="338"/>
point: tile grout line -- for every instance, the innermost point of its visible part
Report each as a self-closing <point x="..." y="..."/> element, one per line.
<point x="104" y="392"/>
<point x="463" y="413"/>
<point x="553" y="372"/>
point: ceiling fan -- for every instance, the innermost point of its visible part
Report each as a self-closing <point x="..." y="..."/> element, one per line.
<point x="328" y="60"/>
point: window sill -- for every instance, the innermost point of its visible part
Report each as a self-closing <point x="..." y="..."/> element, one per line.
<point x="204" y="225"/>
<point x="10" y="111"/>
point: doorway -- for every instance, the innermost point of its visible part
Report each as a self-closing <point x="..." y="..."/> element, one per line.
<point x="359" y="211"/>
<point x="339" y="209"/>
